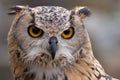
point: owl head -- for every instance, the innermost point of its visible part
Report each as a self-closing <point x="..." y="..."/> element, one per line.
<point x="47" y="35"/>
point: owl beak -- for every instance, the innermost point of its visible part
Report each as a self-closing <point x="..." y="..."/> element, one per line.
<point x="53" y="46"/>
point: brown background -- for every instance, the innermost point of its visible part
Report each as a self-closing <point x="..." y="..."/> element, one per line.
<point x="103" y="27"/>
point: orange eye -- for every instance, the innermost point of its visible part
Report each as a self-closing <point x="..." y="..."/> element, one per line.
<point x="67" y="34"/>
<point x="34" y="31"/>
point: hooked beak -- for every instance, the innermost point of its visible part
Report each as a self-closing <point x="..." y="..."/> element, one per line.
<point x="53" y="46"/>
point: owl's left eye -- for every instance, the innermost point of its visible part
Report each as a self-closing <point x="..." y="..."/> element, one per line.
<point x="34" y="31"/>
<point x="67" y="34"/>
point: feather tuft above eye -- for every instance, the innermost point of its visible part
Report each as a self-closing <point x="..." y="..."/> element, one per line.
<point x="82" y="12"/>
<point x="16" y="9"/>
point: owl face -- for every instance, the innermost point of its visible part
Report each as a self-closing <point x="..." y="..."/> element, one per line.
<point x="47" y="34"/>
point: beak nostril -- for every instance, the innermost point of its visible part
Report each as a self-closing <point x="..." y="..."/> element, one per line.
<point x="53" y="40"/>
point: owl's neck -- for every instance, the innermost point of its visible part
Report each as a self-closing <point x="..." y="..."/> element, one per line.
<point x="85" y="68"/>
<point x="48" y="73"/>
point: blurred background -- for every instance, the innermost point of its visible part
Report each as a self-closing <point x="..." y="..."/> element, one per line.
<point x="103" y="27"/>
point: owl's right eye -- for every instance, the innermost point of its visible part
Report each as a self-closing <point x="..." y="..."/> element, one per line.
<point x="34" y="31"/>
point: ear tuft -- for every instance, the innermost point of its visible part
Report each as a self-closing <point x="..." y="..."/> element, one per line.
<point x="85" y="11"/>
<point x="82" y="12"/>
<point x="16" y="9"/>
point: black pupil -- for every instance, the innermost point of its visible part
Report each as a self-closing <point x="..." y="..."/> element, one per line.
<point x="35" y="30"/>
<point x="67" y="32"/>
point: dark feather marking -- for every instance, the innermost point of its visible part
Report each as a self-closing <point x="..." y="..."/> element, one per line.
<point x="26" y="70"/>
<point x="87" y="63"/>
<point x="15" y="36"/>
<point x="44" y="76"/>
<point x="89" y="74"/>
<point x="89" y="78"/>
<point x="82" y="55"/>
<point x="19" y="19"/>
<point x="33" y="20"/>
<point x="92" y="68"/>
<point x="71" y="15"/>
<point x="99" y="75"/>
<point x="17" y="54"/>
<point x="66" y="78"/>
<point x="71" y="18"/>
<point x="29" y="76"/>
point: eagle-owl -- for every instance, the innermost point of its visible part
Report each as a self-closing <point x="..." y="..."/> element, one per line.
<point x="51" y="43"/>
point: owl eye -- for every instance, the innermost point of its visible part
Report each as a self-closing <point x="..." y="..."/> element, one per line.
<point x="34" y="31"/>
<point x="67" y="34"/>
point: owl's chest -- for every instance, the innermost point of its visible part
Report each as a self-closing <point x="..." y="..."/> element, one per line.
<point x="47" y="73"/>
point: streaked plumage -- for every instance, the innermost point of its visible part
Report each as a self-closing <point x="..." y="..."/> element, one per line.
<point x="51" y="43"/>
